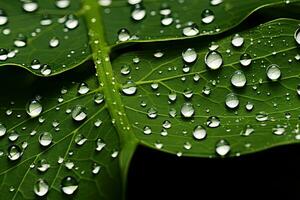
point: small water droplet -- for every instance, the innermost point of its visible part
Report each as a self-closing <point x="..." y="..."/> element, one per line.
<point x="248" y="130"/>
<point x="45" y="139"/>
<point x="35" y="64"/>
<point x="166" y="20"/>
<point x="3" y="54"/>
<point x="207" y="16"/>
<point x="238" y="79"/>
<point x="138" y="13"/>
<point x="62" y="3"/>
<point x="30" y="6"/>
<point x="191" y="30"/>
<point x="133" y="2"/>
<point x="72" y="22"/>
<point x="54" y="42"/>
<point x="129" y="88"/>
<point x="123" y="35"/>
<point x="41" y="187"/>
<point x="187" y="110"/>
<point x="249" y="106"/>
<point x="43" y="165"/>
<point x="245" y="60"/>
<point x="215" y="2"/>
<point x="189" y="55"/>
<point x="98" y="98"/>
<point x="232" y="101"/>
<point x="20" y="41"/>
<point x="213" y="60"/>
<point x="83" y="88"/>
<point x="2" y="130"/>
<point x="147" y="130"/>
<point x="34" y="108"/>
<point x="80" y="139"/>
<point x="213" y="122"/>
<point x="96" y="168"/>
<point x="297" y="36"/>
<point x="152" y="113"/>
<point x="237" y="40"/>
<point x="273" y="72"/>
<point x="79" y="113"/>
<point x="278" y="130"/>
<point x="3" y="17"/>
<point x="199" y="133"/>
<point x="69" y="185"/>
<point x="14" y="152"/>
<point x="262" y="117"/>
<point x="46" y="70"/>
<point x="222" y="148"/>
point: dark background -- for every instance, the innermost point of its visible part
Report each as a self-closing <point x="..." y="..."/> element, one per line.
<point x="270" y="174"/>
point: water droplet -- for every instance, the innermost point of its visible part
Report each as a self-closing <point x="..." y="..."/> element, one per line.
<point x="54" y="42"/>
<point x="3" y="54"/>
<point x="297" y="36"/>
<point x="249" y="106"/>
<point x="298" y="89"/>
<point x="98" y="123"/>
<point x="237" y="40"/>
<point x="262" y="117"/>
<point x="273" y="72"/>
<point x="129" y="88"/>
<point x="83" y="88"/>
<point x="45" y="139"/>
<point x="213" y="122"/>
<point x="69" y="185"/>
<point x="46" y="70"/>
<point x="43" y="165"/>
<point x="14" y="152"/>
<point x="166" y="20"/>
<point x="278" y="130"/>
<point x="13" y="135"/>
<point x="46" y="20"/>
<point x="222" y="148"/>
<point x="2" y="130"/>
<point x="41" y="188"/>
<point x="207" y="16"/>
<point x="20" y="41"/>
<point x="99" y="145"/>
<point x="172" y="96"/>
<point x="80" y="140"/>
<point x="199" y="133"/>
<point x="187" y="110"/>
<point x="72" y="22"/>
<point x="133" y="2"/>
<point x="79" y="113"/>
<point x="138" y="13"/>
<point x="123" y="35"/>
<point x="98" y="98"/>
<point x="213" y="60"/>
<point x="3" y="18"/>
<point x="191" y="30"/>
<point x="248" y="130"/>
<point x="206" y="90"/>
<point x="215" y="2"/>
<point x="35" y="64"/>
<point x="167" y="124"/>
<point x="147" y="130"/>
<point x="104" y="2"/>
<point x="96" y="168"/>
<point x="30" y="6"/>
<point x="62" y="3"/>
<point x="34" y="108"/>
<point x="245" y="60"/>
<point x="189" y="55"/>
<point x="152" y="113"/>
<point x="238" y="79"/>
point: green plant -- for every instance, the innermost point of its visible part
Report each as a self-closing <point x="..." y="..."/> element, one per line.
<point x="198" y="89"/>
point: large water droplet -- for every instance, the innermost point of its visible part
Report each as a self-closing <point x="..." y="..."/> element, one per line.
<point x="129" y="88"/>
<point x="123" y="35"/>
<point x="30" y="6"/>
<point x="138" y="13"/>
<point x="237" y="40"/>
<point x="297" y="36"/>
<point x="213" y="122"/>
<point x="238" y="79"/>
<point x="199" y="133"/>
<point x="189" y="55"/>
<point x="191" y="30"/>
<point x="62" y="3"/>
<point x="222" y="148"/>
<point x="232" y="101"/>
<point x="187" y="110"/>
<point x="213" y="60"/>
<point x="79" y="113"/>
<point x="14" y="152"/>
<point x="45" y="139"/>
<point x="72" y="22"/>
<point x="69" y="185"/>
<point x="207" y="16"/>
<point x="34" y="108"/>
<point x="83" y="88"/>
<point x="41" y="188"/>
<point x="245" y="60"/>
<point x="54" y="42"/>
<point x="3" y="18"/>
<point x="273" y="72"/>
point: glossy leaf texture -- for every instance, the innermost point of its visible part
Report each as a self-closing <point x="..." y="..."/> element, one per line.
<point x="149" y="20"/>
<point x="45" y="37"/>
<point x="177" y="103"/>
<point x="39" y="155"/>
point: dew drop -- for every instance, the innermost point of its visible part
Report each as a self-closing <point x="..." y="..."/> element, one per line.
<point x="133" y="2"/>
<point x="129" y="88"/>
<point x="215" y="2"/>
<point x="238" y="79"/>
<point x="123" y="35"/>
<point x="213" y="60"/>
<point x="20" y="41"/>
<point x="45" y="139"/>
<point x="98" y="98"/>
<point x="191" y="30"/>
<point x="43" y="165"/>
<point x="138" y="13"/>
<point x="222" y="148"/>
<point x="249" y="106"/>
<point x="30" y="6"/>
<point x="199" y="133"/>
<point x="35" y="64"/>
<point x="69" y="185"/>
<point x="72" y="22"/>
<point x="79" y="113"/>
<point x="2" y="130"/>
<point x="207" y="16"/>
<point x="62" y="3"/>
<point x="96" y="168"/>
<point x="172" y="96"/>
<point x="147" y="130"/>
<point x="213" y="122"/>
<point x="273" y="72"/>
<point x="245" y="60"/>
<point x="46" y="70"/>
<point x="99" y="145"/>
<point x="262" y="117"/>
<point x="166" y="20"/>
<point x="297" y="36"/>
<point x="232" y="101"/>
<point x="14" y="152"/>
<point x="41" y="188"/>
<point x="54" y="42"/>
<point x="83" y="88"/>
<point x="278" y="130"/>
<point x="298" y="90"/>
<point x="248" y="130"/>
<point x="3" y="54"/>
<point x="237" y="40"/>
<point x="34" y="108"/>
<point x="189" y="55"/>
<point x="187" y="110"/>
<point x="80" y="139"/>
<point x="152" y="113"/>
<point x="3" y="18"/>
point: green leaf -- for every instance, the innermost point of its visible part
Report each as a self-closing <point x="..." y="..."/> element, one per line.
<point x="153" y="96"/>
